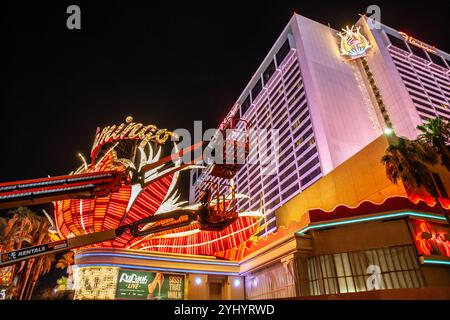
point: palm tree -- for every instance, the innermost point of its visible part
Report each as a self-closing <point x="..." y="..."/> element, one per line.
<point x="66" y="262"/>
<point x="39" y="266"/>
<point x="406" y="161"/>
<point x="23" y="229"/>
<point x="436" y="135"/>
<point x="15" y="233"/>
<point x="43" y="267"/>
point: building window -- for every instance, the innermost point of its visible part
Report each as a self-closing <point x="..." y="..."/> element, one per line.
<point x="301" y="139"/>
<point x="396" y="42"/>
<point x="418" y="52"/>
<point x="308" y="167"/>
<point x="437" y="60"/>
<point x="272" y="282"/>
<point x="256" y="89"/>
<point x="283" y="52"/>
<point x="348" y="271"/>
<point x="269" y="72"/>
<point x="245" y="105"/>
<point x="314" y="174"/>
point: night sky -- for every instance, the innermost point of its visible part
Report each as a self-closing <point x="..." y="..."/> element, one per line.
<point x="165" y="63"/>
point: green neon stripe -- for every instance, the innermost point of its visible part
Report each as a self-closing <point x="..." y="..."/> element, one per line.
<point x="391" y="215"/>
<point x="447" y="263"/>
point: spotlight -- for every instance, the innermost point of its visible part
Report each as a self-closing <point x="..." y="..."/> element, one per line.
<point x="237" y="283"/>
<point x="198" y="281"/>
<point x="388" y="131"/>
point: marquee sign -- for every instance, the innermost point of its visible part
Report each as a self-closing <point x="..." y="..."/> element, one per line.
<point x="149" y="285"/>
<point x="129" y="131"/>
<point x="431" y="238"/>
<point x="353" y="43"/>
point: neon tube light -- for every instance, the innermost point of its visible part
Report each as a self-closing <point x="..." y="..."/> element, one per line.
<point x="124" y="255"/>
<point x="392" y="215"/>
<point x="128" y="266"/>
<point x="447" y="263"/>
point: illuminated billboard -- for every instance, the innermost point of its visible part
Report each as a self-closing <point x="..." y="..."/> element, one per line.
<point x="149" y="285"/>
<point x="109" y="283"/>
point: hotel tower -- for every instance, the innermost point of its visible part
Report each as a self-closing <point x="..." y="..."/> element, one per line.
<point x="328" y="107"/>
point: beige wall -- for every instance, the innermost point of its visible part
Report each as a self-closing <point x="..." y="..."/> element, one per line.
<point x="361" y="236"/>
<point x="201" y="291"/>
<point x="235" y="292"/>
<point x="195" y="291"/>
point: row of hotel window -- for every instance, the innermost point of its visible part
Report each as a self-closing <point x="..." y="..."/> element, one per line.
<point x="429" y="95"/>
<point x="290" y="74"/>
<point x="267" y="74"/>
<point x="287" y="176"/>
<point x="423" y="77"/>
<point x="429" y="56"/>
<point x="278" y="189"/>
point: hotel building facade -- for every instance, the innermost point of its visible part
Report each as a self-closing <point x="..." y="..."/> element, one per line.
<point x="334" y="224"/>
<point x="323" y="107"/>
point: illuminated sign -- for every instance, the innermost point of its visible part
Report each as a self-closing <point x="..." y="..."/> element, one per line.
<point x="6" y="275"/>
<point x="95" y="283"/>
<point x="150" y="190"/>
<point x="418" y="43"/>
<point x="129" y="131"/>
<point x="149" y="285"/>
<point x="431" y="238"/>
<point x="22" y="253"/>
<point x="353" y="43"/>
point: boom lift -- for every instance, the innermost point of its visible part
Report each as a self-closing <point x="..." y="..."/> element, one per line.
<point x="215" y="212"/>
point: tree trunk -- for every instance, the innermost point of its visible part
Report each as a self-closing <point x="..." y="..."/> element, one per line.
<point x="33" y="284"/>
<point x="35" y="278"/>
<point x="27" y="276"/>
<point x="27" y="291"/>
<point x="31" y="265"/>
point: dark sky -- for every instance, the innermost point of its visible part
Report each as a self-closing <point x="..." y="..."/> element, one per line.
<point x="167" y="63"/>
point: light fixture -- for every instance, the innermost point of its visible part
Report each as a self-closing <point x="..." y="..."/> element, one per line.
<point x="388" y="131"/>
<point x="198" y="281"/>
<point x="237" y="283"/>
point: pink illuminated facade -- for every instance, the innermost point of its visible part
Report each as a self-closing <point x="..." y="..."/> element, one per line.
<point x="412" y="76"/>
<point x="323" y="105"/>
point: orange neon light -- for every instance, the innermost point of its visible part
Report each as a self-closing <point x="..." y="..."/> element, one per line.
<point x="418" y="43"/>
<point x="431" y="238"/>
<point x="130" y="203"/>
<point x="414" y="198"/>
